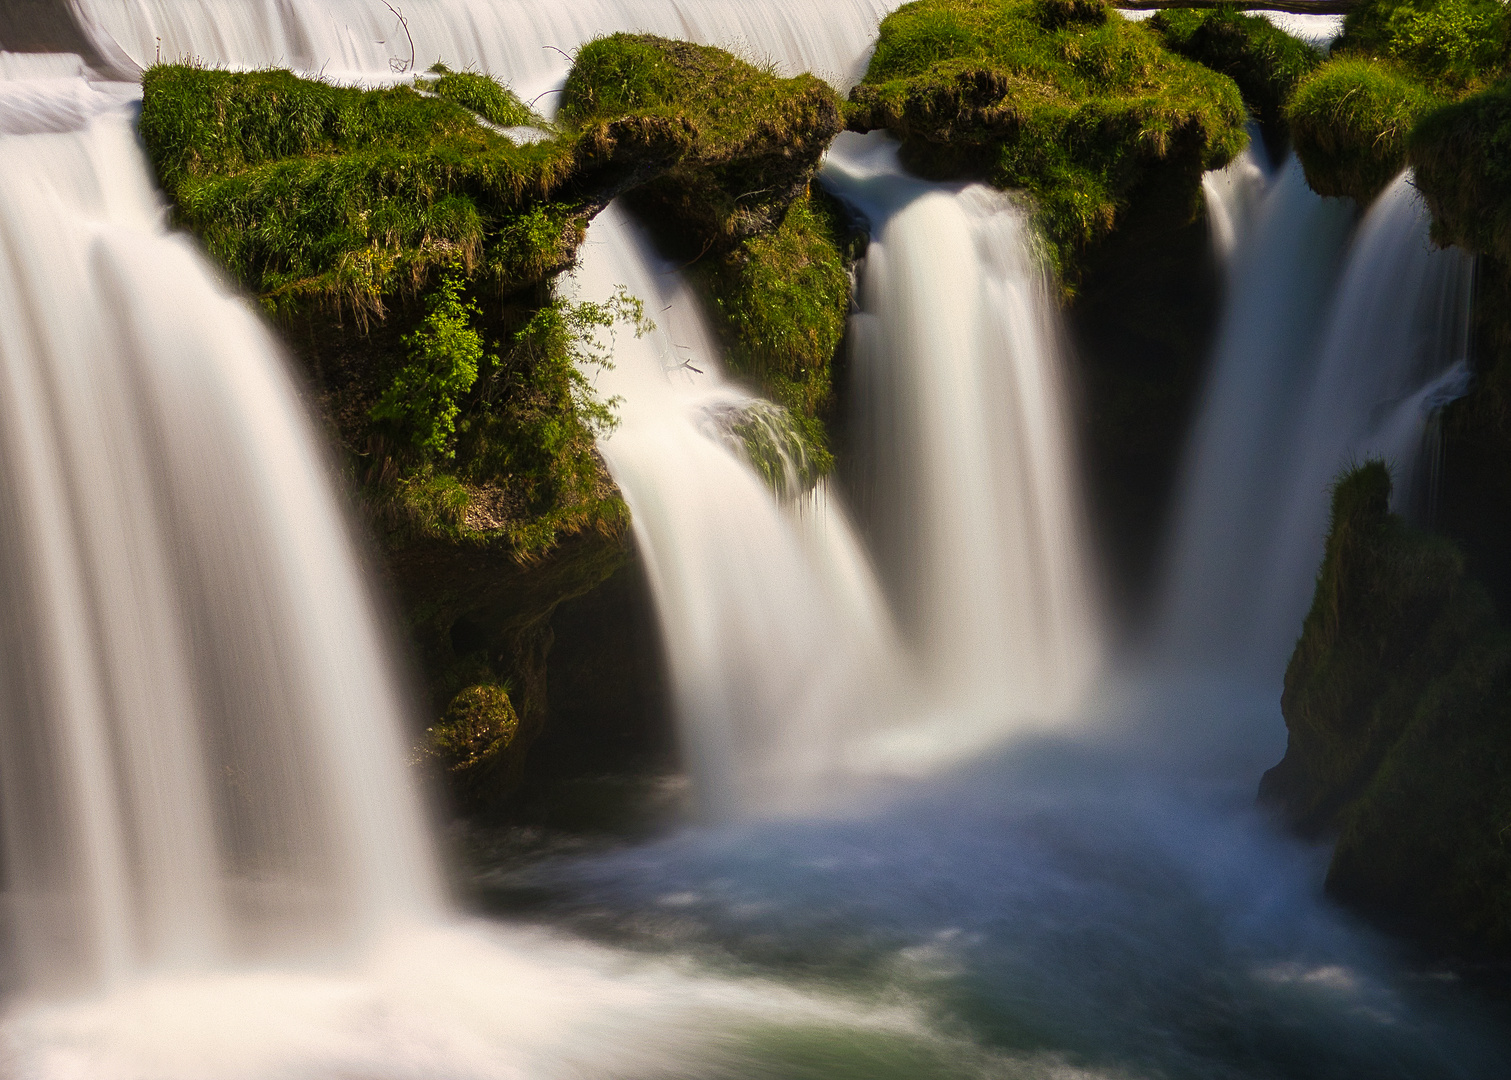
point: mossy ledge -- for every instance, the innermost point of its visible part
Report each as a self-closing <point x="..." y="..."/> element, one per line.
<point x="1397" y="62"/>
<point x="1262" y="59"/>
<point x="320" y="197"/>
<point x="739" y="210"/>
<point x="404" y="245"/>
<point x="1398" y="706"/>
<point x="1063" y="99"/>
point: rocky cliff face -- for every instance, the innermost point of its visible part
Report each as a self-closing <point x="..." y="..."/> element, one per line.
<point x="1398" y="705"/>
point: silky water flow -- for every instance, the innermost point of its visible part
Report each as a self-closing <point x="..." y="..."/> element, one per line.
<point x="238" y="880"/>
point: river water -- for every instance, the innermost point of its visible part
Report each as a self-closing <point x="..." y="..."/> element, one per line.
<point x="938" y="829"/>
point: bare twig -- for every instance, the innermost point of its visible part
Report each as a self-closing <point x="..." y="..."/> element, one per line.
<point x="394" y="62"/>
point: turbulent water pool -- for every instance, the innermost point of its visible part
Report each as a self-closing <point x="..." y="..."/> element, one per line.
<point x="1112" y="907"/>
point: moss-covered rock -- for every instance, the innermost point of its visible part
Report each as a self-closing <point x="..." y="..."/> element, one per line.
<point x="1350" y="120"/>
<point x="781" y="302"/>
<point x="737" y="209"/>
<point x="339" y="199"/>
<point x="1262" y="59"/>
<point x="1461" y="155"/>
<point x="472" y="741"/>
<point x="756" y="140"/>
<point x="1398" y="706"/>
<point x="1062" y="98"/>
<point x="1397" y="62"/>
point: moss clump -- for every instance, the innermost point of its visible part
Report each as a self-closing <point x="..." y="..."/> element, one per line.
<point x="1453" y="45"/>
<point x="485" y="96"/>
<point x="1398" y="705"/>
<point x="1350" y="121"/>
<point x="1394" y="65"/>
<point x="781" y="301"/>
<point x="324" y="197"/>
<point x="1461" y="155"/>
<point x="756" y="139"/>
<point x="472" y="742"/>
<point x="1066" y="100"/>
<point x="737" y="208"/>
<point x="1262" y="59"/>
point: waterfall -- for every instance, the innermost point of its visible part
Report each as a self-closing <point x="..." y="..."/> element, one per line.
<point x="967" y="483"/>
<point x="777" y="638"/>
<point x="1336" y="344"/>
<point x="199" y="737"/>
<point x="526" y="42"/>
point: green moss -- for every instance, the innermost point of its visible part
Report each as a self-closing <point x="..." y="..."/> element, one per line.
<point x="1350" y="121"/>
<point x="781" y="301"/>
<point x="422" y="401"/>
<point x="472" y="742"/>
<point x="756" y="139"/>
<point x="1395" y="64"/>
<point x="485" y="96"/>
<point x="1461" y="155"/>
<point x="339" y="199"/>
<point x="1066" y="100"/>
<point x="1262" y="59"/>
<point x="1398" y="705"/>
<point x="1454" y="45"/>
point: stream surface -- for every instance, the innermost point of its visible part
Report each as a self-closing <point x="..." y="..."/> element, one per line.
<point x="1110" y="906"/>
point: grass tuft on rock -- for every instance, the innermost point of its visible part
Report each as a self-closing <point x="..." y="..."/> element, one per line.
<point x="756" y="140"/>
<point x="1066" y="100"/>
<point x="340" y="199"/>
<point x="1350" y="122"/>
<point x="486" y="96"/>
<point x="1262" y="59"/>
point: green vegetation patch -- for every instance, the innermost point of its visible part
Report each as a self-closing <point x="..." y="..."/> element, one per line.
<point x="1063" y="98"/>
<point x="781" y="302"/>
<point x="1350" y="122"/>
<point x="485" y="96"/>
<point x="1461" y="155"/>
<point x="1262" y="59"/>
<point x="319" y="196"/>
<point x="1398" y="706"/>
<point x="1394" y="65"/>
<point x="1453" y="45"/>
<point x="472" y="443"/>
<point x="756" y="139"/>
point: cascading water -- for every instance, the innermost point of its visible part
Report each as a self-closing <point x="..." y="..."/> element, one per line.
<point x="199" y="721"/>
<point x="209" y="826"/>
<point x="968" y="486"/>
<point x="1331" y="350"/>
<point x="777" y="639"/>
<point x="1065" y="912"/>
<point x="525" y="41"/>
<point x="1225" y="520"/>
